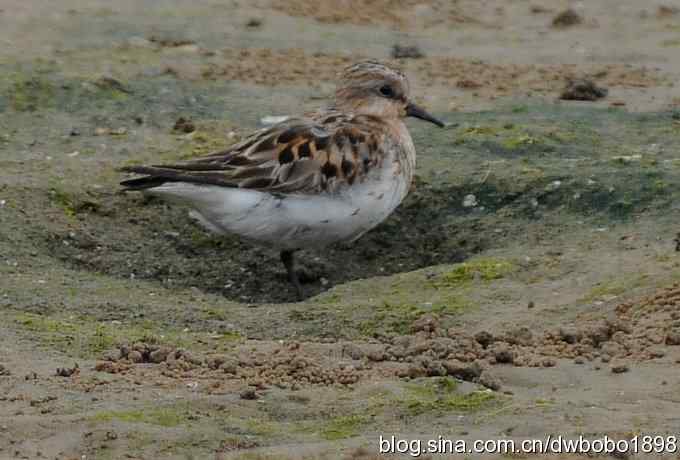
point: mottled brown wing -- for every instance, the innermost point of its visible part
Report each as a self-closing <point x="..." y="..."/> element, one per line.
<point x="296" y="156"/>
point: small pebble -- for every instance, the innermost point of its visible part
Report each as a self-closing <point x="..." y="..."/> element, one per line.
<point x="249" y="394"/>
<point x="619" y="368"/>
<point x="119" y="131"/>
<point x="254" y="23"/>
<point x="470" y="201"/>
<point x="407" y="52"/>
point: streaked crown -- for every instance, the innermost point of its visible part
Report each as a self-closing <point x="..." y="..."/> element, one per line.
<point x="368" y="78"/>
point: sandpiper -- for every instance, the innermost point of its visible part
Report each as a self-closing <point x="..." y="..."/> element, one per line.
<point x="310" y="181"/>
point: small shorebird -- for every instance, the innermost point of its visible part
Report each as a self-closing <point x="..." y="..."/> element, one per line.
<point x="306" y="182"/>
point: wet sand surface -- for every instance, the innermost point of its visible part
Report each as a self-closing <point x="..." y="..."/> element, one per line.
<point x="527" y="286"/>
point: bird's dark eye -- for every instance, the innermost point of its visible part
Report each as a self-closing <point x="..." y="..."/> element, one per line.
<point x="387" y="91"/>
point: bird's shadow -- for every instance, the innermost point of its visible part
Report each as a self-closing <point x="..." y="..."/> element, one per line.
<point x="149" y="239"/>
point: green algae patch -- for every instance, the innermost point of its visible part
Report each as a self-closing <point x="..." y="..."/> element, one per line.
<point x="261" y="427"/>
<point x="484" y="269"/>
<point x="607" y="290"/>
<point x="399" y="302"/>
<point x="473" y="131"/>
<point x="519" y="141"/>
<point x="31" y="93"/>
<point x="163" y="416"/>
<point x="391" y="318"/>
<point x="452" y="304"/>
<point x="344" y="427"/>
<point x="396" y="318"/>
<point x="443" y="395"/>
<point x="209" y="137"/>
<point x="84" y="337"/>
<point x="471" y="402"/>
<point x="72" y="336"/>
<point x="510" y="139"/>
<point x="73" y="201"/>
<point x="64" y="200"/>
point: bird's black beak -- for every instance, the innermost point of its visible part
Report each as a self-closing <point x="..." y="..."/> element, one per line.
<point x="413" y="110"/>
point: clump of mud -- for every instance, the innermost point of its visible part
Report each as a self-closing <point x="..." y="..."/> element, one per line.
<point x="583" y="90"/>
<point x="286" y="366"/>
<point x="67" y="371"/>
<point x="666" y="11"/>
<point x="567" y="18"/>
<point x="638" y="331"/>
<point x="407" y="52"/>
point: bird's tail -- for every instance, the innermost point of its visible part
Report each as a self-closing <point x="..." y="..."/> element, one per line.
<point x="153" y="177"/>
<point x="159" y="175"/>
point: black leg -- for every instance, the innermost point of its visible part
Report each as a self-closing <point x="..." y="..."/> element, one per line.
<point x="287" y="257"/>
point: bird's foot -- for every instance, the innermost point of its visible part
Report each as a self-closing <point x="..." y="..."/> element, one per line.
<point x="288" y="260"/>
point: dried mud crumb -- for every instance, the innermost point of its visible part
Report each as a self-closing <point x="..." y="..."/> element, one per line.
<point x="673" y="338"/>
<point x="665" y="11"/>
<point x="111" y="367"/>
<point x="502" y="353"/>
<point x="619" y="368"/>
<point x="159" y="355"/>
<point x="490" y="381"/>
<point x="236" y="444"/>
<point x="253" y="23"/>
<point x="548" y="362"/>
<point x="567" y="18"/>
<point x="167" y="42"/>
<point x="468" y="83"/>
<point x="428" y="350"/>
<point x="108" y="82"/>
<point x="427" y="323"/>
<point x="40" y="401"/>
<point x="570" y="335"/>
<point x="376" y="354"/>
<point x="353" y="351"/>
<point x="463" y="371"/>
<point x="67" y="371"/>
<point x="184" y="125"/>
<point x="583" y="90"/>
<point x="249" y="394"/>
<point x="539" y="9"/>
<point x="406" y="52"/>
<point x="484" y="338"/>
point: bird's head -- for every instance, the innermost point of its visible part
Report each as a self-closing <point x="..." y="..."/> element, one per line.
<point x="372" y="88"/>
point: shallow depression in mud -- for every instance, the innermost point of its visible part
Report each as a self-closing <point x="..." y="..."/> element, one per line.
<point x="143" y="238"/>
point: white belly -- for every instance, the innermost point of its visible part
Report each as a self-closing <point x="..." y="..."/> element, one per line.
<point x="293" y="221"/>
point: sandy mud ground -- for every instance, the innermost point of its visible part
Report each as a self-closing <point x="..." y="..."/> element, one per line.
<point x="527" y="286"/>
